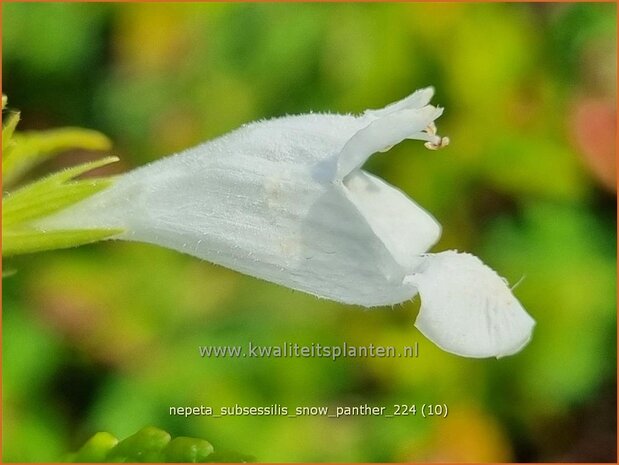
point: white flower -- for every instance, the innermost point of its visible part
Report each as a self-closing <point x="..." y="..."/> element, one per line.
<point x="286" y="200"/>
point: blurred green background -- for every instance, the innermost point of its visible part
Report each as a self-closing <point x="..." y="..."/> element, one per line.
<point x="105" y="337"/>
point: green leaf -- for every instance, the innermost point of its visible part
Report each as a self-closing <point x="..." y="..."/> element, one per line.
<point x="151" y="444"/>
<point x="17" y="242"/>
<point x="187" y="450"/>
<point x="34" y="147"/>
<point x="26" y="208"/>
<point x="230" y="457"/>
<point x="8" y="129"/>
<point x="48" y="195"/>
<point x="144" y="446"/>
<point x="96" y="448"/>
<point x="52" y="193"/>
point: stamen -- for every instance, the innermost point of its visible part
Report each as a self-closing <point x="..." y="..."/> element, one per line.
<point x="436" y="142"/>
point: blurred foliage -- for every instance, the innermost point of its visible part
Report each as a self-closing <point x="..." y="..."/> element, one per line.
<point x="22" y="207"/>
<point x="150" y="445"/>
<point x="104" y="338"/>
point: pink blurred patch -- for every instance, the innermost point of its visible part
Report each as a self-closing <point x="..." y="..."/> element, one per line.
<point x="594" y="123"/>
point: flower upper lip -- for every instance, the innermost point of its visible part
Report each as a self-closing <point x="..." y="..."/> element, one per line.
<point x="385" y="131"/>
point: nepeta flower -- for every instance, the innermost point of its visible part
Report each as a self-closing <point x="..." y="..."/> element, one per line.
<point x="287" y="200"/>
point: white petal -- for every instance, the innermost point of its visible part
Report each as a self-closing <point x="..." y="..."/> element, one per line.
<point x="406" y="229"/>
<point x="467" y="309"/>
<point x="384" y="132"/>
<point x="418" y="99"/>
